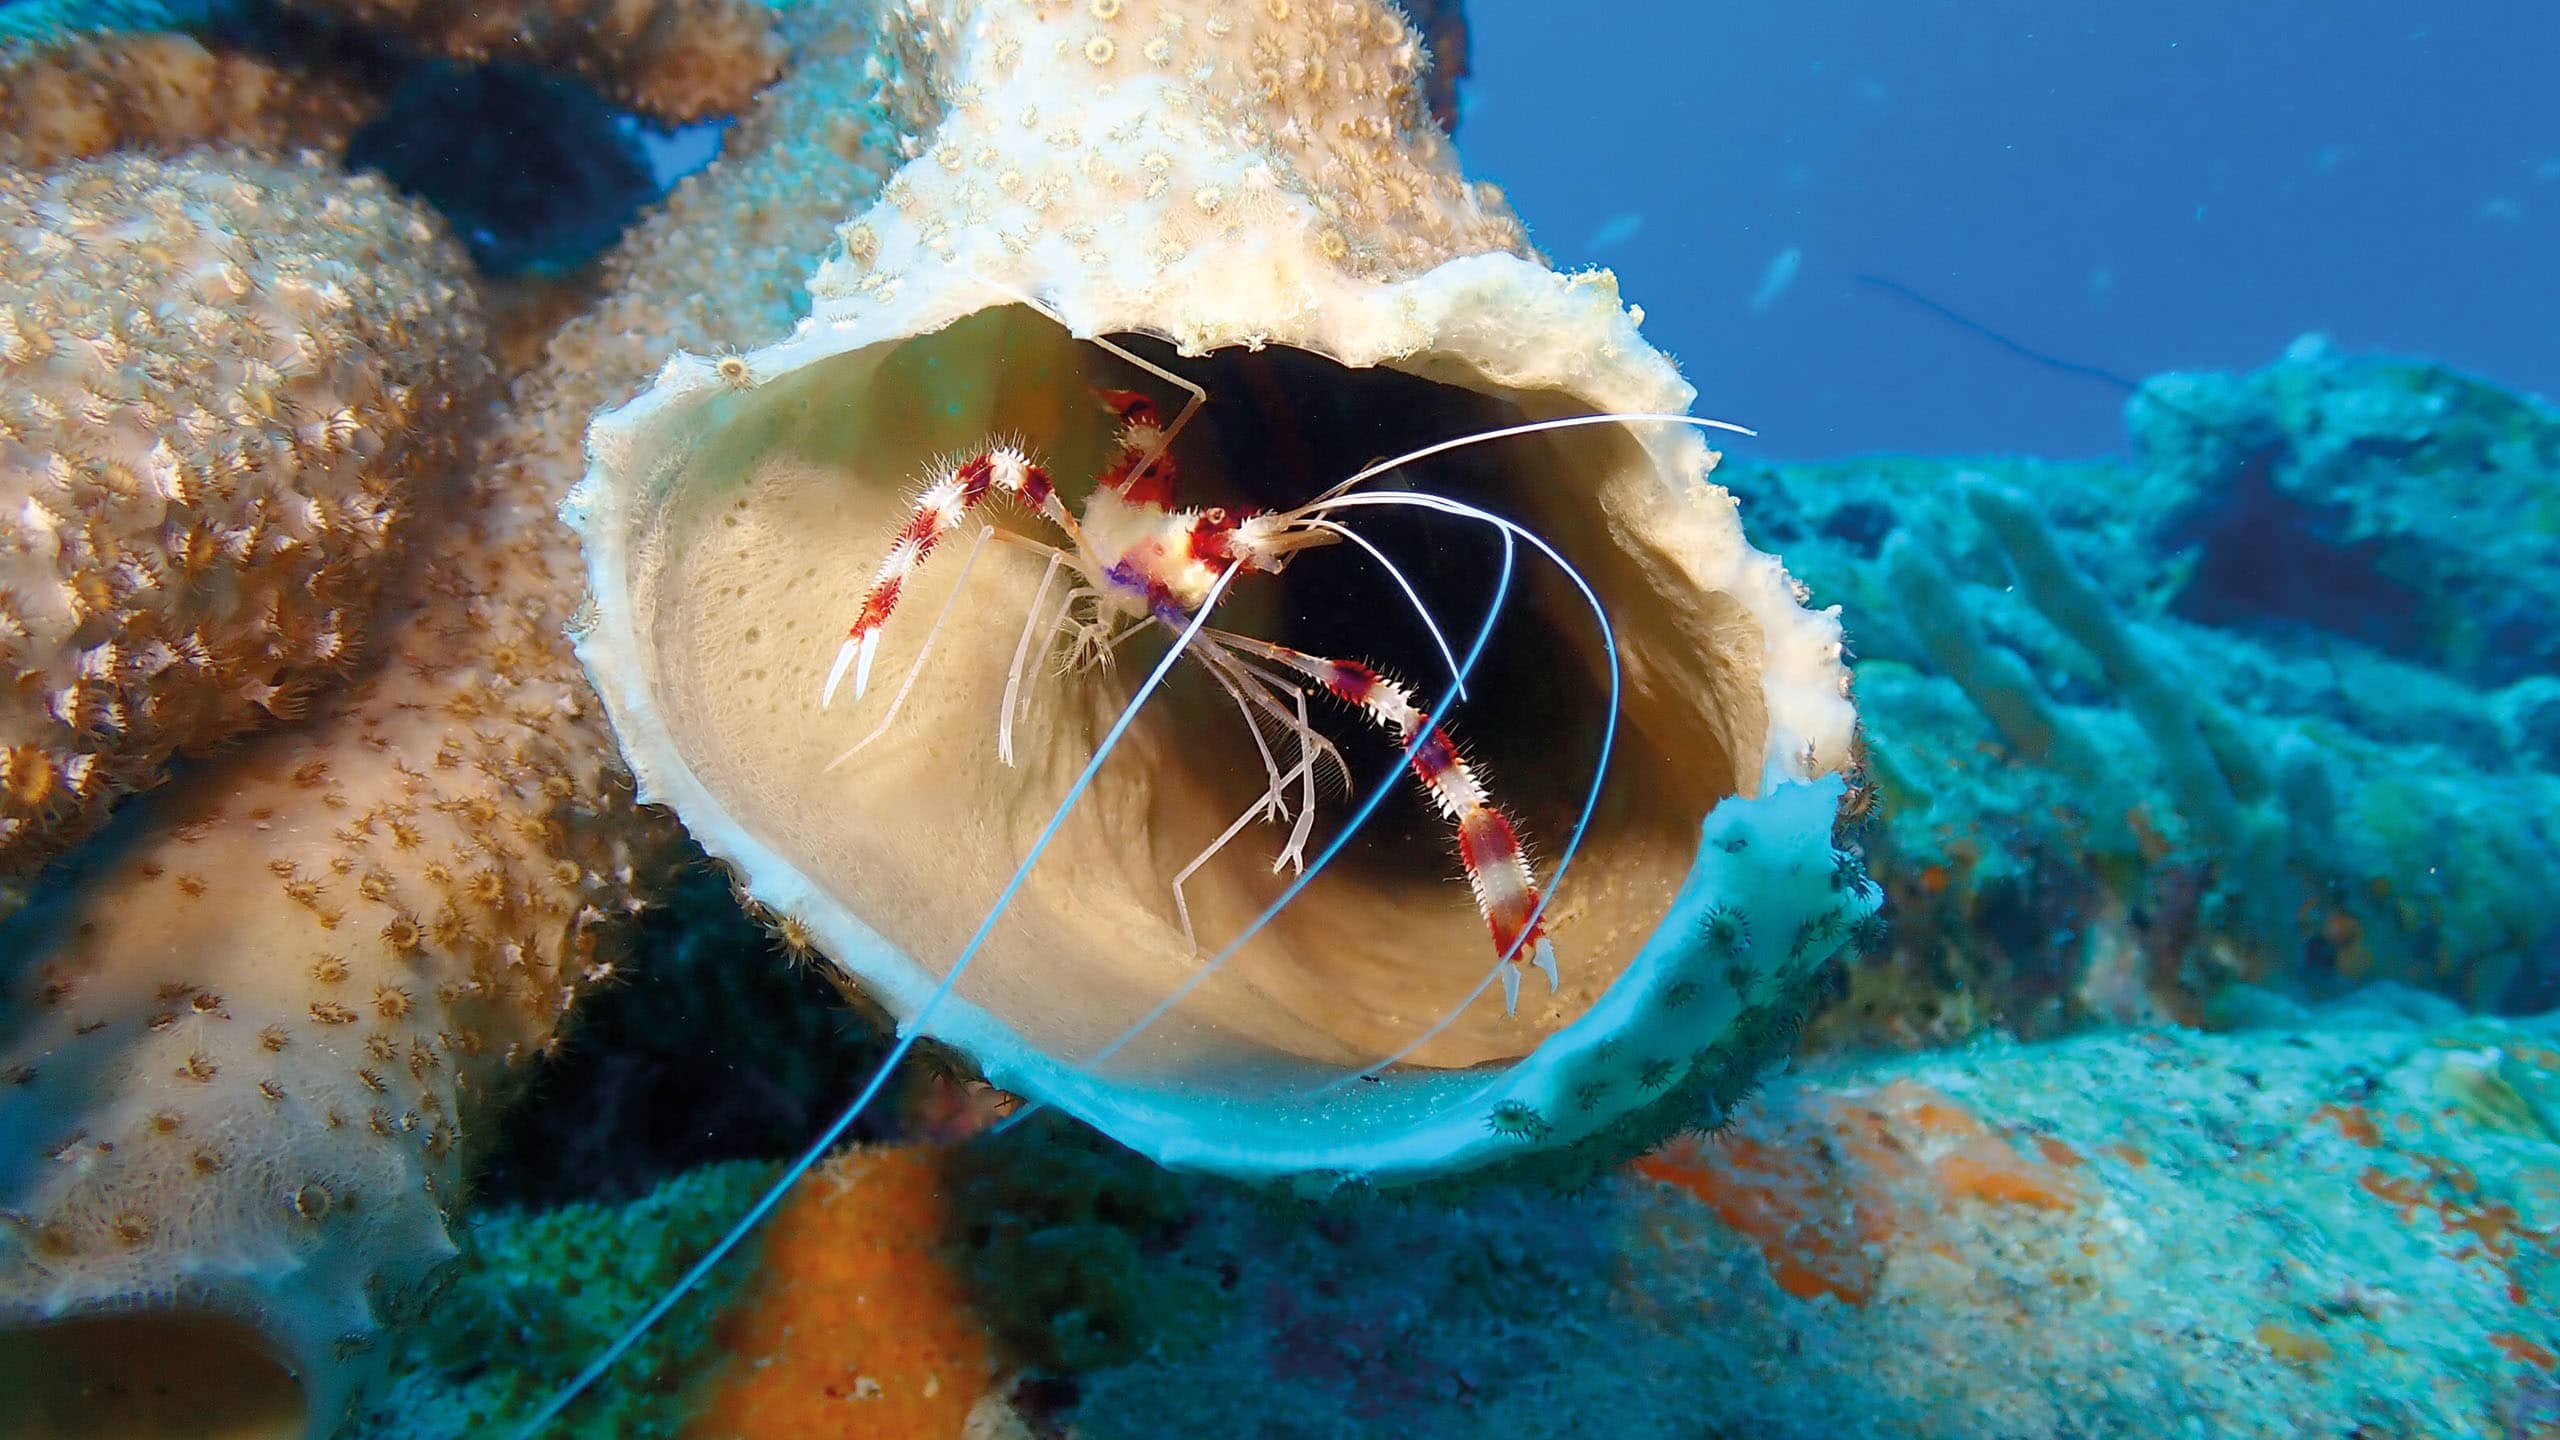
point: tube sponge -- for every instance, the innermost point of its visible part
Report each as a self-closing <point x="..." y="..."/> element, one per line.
<point x="220" y="380"/>
<point x="1264" y="196"/>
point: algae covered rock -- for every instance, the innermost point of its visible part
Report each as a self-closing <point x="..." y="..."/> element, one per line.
<point x="2346" y="1221"/>
<point x="2397" y="502"/>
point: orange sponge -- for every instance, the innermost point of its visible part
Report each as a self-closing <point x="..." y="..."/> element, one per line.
<point x="1829" y="1191"/>
<point x="856" y="1323"/>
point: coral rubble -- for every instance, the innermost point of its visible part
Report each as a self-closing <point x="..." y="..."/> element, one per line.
<point x="228" y="387"/>
<point x="1261" y="193"/>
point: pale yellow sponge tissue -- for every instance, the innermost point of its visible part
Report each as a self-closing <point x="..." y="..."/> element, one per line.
<point x="225" y="384"/>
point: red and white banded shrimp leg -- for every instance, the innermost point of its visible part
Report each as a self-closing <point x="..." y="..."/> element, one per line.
<point x="1146" y="443"/>
<point x="948" y="498"/>
<point x="1506" y="893"/>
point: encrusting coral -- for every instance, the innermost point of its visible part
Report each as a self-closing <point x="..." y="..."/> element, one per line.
<point x="248" y="1043"/>
<point x="1261" y="189"/>
<point x="2347" y="1222"/>
<point x="250" y="1038"/>
<point x="81" y="77"/>
<point x="673" y="60"/>
<point x="225" y="384"/>
<point x="856" y="1304"/>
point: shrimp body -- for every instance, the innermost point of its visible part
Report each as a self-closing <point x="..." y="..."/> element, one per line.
<point x="1137" y="560"/>
<point x="1151" y="562"/>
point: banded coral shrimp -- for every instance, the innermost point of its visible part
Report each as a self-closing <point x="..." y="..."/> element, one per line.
<point x="1390" y="863"/>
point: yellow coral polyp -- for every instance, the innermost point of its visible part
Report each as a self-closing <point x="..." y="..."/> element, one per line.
<point x="135" y="502"/>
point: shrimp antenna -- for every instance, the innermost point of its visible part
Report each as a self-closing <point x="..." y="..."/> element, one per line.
<point x="1599" y="768"/>
<point x="1428" y="623"/>
<point x="907" y="1034"/>
<point x="1337" y="498"/>
<point x="1533" y="427"/>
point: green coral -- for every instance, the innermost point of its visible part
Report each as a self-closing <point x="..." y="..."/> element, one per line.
<point x="536" y="1296"/>
<point x="1068" y="1243"/>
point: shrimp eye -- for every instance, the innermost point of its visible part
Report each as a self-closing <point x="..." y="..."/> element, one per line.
<point x="1215" y="515"/>
<point x="1132" y="406"/>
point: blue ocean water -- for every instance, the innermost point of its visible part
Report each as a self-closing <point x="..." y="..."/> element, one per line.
<point x="2176" y="185"/>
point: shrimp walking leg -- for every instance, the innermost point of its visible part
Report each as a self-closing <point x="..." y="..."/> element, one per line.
<point x="1506" y="893"/>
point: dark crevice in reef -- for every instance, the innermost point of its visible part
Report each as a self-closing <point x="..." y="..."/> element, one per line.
<point x="2272" y="560"/>
<point x="712" y="1043"/>
<point x="537" y="172"/>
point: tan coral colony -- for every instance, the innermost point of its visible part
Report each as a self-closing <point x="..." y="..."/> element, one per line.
<point x="1251" y="196"/>
<point x="249" y="1032"/>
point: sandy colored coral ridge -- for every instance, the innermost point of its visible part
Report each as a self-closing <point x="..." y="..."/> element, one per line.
<point x="252" y="1041"/>
<point x="75" y="94"/>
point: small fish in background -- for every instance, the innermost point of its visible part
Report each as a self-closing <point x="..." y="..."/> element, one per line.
<point x="1615" y="231"/>
<point x="1777" y="279"/>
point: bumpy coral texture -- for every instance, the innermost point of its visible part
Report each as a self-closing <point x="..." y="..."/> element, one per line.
<point x="68" y="94"/>
<point x="220" y="381"/>
<point x="251" y="1041"/>
<point x="676" y="60"/>
<point x="1318" y="106"/>
<point x="246" y="1050"/>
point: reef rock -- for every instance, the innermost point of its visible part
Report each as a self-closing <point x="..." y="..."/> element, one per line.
<point x="2400" y="503"/>
<point x="1257" y="201"/>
